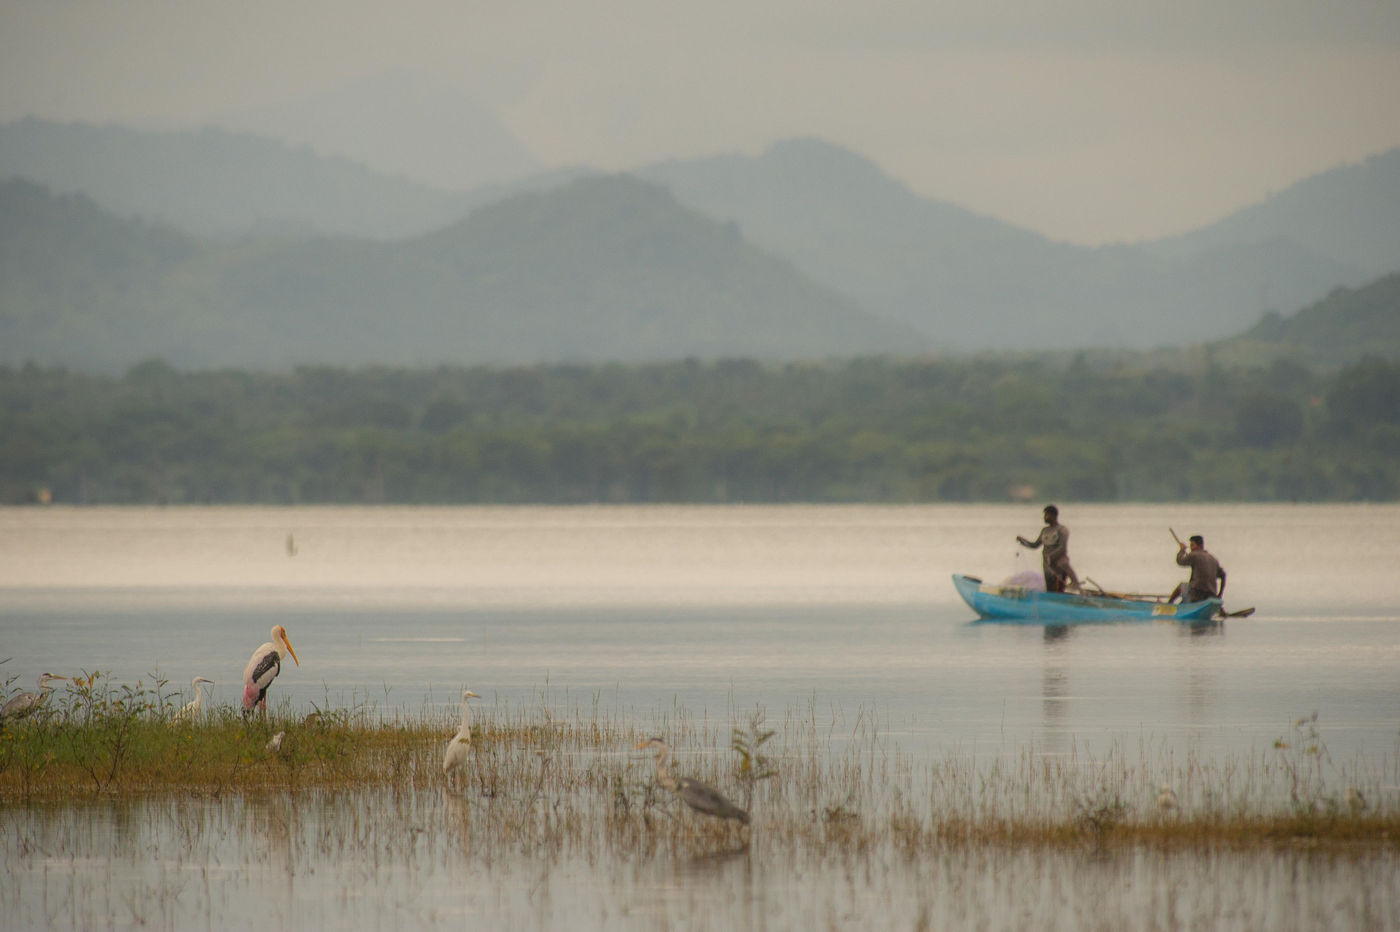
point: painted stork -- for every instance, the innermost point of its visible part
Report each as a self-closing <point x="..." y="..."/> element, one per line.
<point x="263" y="668"/>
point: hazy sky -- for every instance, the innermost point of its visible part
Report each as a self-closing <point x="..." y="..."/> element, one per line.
<point x="1087" y="120"/>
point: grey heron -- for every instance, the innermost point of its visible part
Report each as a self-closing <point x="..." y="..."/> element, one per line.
<point x="27" y="703"/>
<point x="263" y="668"/>
<point x="193" y="708"/>
<point x="701" y="797"/>
<point x="455" y="757"/>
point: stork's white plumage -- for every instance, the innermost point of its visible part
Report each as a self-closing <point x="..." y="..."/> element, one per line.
<point x="455" y="758"/>
<point x="263" y="668"/>
<point x="193" y="708"/>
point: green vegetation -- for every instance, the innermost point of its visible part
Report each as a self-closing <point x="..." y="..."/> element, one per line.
<point x="1125" y="428"/>
<point x="536" y="774"/>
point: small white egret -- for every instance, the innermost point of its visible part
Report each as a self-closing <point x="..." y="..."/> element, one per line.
<point x="1166" y="799"/>
<point x="701" y="797"/>
<point x="274" y="744"/>
<point x="28" y="703"/>
<point x="1354" y="800"/>
<point x="455" y="757"/>
<point x="195" y="707"/>
<point x="263" y="668"/>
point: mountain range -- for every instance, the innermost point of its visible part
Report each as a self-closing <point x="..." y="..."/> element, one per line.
<point x="606" y="268"/>
<point x="214" y="247"/>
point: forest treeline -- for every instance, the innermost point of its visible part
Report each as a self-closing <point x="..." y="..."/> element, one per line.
<point x="870" y="430"/>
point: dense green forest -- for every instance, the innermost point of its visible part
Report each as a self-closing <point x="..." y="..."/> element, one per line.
<point x="876" y="430"/>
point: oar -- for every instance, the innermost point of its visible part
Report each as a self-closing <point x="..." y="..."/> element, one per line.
<point x="1175" y="538"/>
<point x="1242" y="613"/>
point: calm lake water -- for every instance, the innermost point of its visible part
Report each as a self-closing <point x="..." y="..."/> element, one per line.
<point x="846" y="615"/>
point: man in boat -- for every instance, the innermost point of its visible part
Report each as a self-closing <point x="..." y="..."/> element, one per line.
<point x="1054" y="538"/>
<point x="1205" y="570"/>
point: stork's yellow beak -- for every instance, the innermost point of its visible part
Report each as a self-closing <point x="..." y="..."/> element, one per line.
<point x="287" y="641"/>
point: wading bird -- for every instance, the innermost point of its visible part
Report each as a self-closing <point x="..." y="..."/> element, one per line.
<point x="1354" y="800"/>
<point x="1166" y="799"/>
<point x="701" y="797"/>
<point x="193" y="708"/>
<point x="28" y="703"/>
<point x="455" y="758"/>
<point x="274" y="744"/>
<point x="263" y="668"/>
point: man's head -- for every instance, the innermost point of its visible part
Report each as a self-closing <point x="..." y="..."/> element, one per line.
<point x="1198" y="542"/>
<point x="1051" y="513"/>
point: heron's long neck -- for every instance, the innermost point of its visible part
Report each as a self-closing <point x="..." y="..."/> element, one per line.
<point x="663" y="772"/>
<point x="466" y="718"/>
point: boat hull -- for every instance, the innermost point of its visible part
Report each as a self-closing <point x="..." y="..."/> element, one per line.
<point x="995" y="602"/>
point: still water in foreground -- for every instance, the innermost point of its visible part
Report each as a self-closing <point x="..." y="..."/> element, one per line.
<point x="841" y="617"/>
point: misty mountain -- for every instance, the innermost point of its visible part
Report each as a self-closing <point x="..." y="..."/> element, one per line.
<point x="607" y="268"/>
<point x="221" y="183"/>
<point x="1348" y="325"/>
<point x="1350" y="214"/>
<point x="401" y="124"/>
<point x="975" y="282"/>
<point x="966" y="280"/>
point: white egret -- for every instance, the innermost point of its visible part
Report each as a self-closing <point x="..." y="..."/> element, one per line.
<point x="274" y="744"/>
<point x="1354" y="800"/>
<point x="195" y="707"/>
<point x="27" y="703"/>
<point x="263" y="668"/>
<point x="455" y="758"/>
<point x="1166" y="799"/>
<point x="701" y="797"/>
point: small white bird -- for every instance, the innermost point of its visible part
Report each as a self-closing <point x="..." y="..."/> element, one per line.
<point x="193" y="709"/>
<point x="274" y="744"/>
<point x="1354" y="800"/>
<point x="1166" y="799"/>
<point x="455" y="758"/>
<point x="27" y="703"/>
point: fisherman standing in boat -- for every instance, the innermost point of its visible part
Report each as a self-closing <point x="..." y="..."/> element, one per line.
<point x="1205" y="570"/>
<point x="1054" y="538"/>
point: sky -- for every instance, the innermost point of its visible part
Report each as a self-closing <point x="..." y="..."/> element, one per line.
<point x="1091" y="121"/>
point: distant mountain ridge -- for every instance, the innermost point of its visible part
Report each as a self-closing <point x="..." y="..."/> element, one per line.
<point x="400" y="124"/>
<point x="978" y="283"/>
<point x="1348" y="325"/>
<point x="959" y="280"/>
<point x="213" y="182"/>
<point x="605" y="269"/>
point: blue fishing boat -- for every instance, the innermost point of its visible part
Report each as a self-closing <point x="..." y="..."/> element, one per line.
<point x="1026" y="605"/>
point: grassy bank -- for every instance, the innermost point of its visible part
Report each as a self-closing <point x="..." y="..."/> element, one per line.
<point x="534" y="779"/>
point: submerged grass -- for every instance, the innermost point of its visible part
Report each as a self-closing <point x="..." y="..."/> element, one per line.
<point x="540" y="782"/>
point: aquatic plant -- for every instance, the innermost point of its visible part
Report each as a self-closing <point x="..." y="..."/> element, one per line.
<point x="539" y="780"/>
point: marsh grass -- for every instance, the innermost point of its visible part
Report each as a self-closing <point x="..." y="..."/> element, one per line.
<point x="541" y="781"/>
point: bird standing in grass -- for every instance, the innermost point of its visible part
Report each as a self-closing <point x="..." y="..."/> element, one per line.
<point x="701" y="797"/>
<point x="455" y="758"/>
<point x="263" y="668"/>
<point x="1166" y="799"/>
<point x="28" y="703"/>
<point x="193" y="708"/>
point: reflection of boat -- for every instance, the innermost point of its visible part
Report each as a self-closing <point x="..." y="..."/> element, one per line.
<point x="1014" y="603"/>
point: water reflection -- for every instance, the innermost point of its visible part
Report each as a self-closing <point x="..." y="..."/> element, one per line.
<point x="363" y="861"/>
